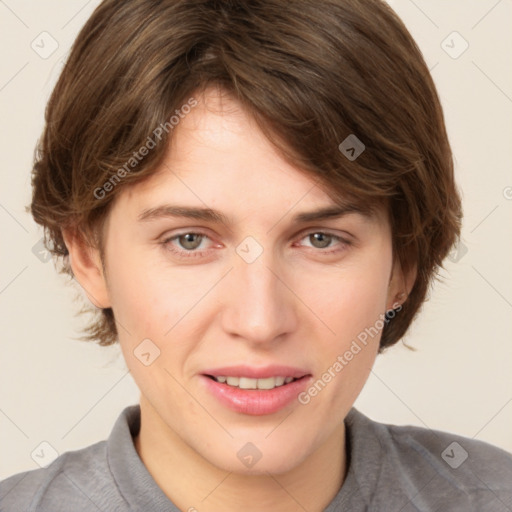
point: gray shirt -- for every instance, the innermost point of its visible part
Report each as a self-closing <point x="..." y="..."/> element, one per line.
<point x="391" y="468"/>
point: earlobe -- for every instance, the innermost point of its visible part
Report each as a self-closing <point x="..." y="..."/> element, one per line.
<point x="400" y="284"/>
<point x="87" y="268"/>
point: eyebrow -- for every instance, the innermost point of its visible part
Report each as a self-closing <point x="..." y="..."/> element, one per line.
<point x="215" y="216"/>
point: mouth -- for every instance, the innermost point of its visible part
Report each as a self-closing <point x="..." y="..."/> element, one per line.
<point x="256" y="391"/>
<point x="249" y="383"/>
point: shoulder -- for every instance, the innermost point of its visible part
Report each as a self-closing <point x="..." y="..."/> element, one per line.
<point x="76" y="480"/>
<point x="456" y="449"/>
<point x="436" y="468"/>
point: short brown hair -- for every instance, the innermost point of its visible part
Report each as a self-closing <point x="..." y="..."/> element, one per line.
<point x="311" y="72"/>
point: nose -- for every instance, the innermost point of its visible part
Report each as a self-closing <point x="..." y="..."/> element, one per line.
<point x="259" y="306"/>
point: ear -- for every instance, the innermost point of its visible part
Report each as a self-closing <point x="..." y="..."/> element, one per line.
<point x="400" y="284"/>
<point x="87" y="268"/>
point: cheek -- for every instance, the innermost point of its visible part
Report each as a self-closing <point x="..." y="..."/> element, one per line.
<point x="351" y="303"/>
<point x="351" y="298"/>
<point x="149" y="305"/>
<point x="148" y="300"/>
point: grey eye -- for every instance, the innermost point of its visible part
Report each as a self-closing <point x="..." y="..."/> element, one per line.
<point x="322" y="239"/>
<point x="190" y="240"/>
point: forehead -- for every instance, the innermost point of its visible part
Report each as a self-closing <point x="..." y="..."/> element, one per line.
<point x="219" y="159"/>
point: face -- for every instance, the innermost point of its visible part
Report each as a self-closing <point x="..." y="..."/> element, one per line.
<point x="209" y="309"/>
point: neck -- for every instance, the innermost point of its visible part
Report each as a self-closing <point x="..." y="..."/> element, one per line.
<point x="201" y="486"/>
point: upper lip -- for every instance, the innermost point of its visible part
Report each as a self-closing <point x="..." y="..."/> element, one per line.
<point x="254" y="372"/>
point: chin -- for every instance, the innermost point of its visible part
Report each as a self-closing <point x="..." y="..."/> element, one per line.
<point x="270" y="460"/>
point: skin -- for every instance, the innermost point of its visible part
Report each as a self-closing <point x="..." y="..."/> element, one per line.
<point x="296" y="304"/>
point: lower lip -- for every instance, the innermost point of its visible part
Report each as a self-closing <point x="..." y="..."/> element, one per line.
<point x="256" y="402"/>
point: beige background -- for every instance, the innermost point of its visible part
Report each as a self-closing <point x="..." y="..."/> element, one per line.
<point x="68" y="393"/>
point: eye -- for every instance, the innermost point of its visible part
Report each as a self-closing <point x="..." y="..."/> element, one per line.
<point x="190" y="241"/>
<point x="324" y="240"/>
<point x="320" y="240"/>
<point x="186" y="245"/>
<point x="190" y="244"/>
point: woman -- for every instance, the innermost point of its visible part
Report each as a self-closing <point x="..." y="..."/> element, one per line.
<point x="256" y="197"/>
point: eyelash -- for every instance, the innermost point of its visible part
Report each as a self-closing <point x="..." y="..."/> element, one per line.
<point x="194" y="253"/>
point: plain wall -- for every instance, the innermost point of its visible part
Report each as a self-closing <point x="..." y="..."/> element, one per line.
<point x="68" y="393"/>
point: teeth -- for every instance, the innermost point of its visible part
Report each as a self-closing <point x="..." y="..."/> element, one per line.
<point x="270" y="382"/>
<point x="248" y="383"/>
<point x="233" y="381"/>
